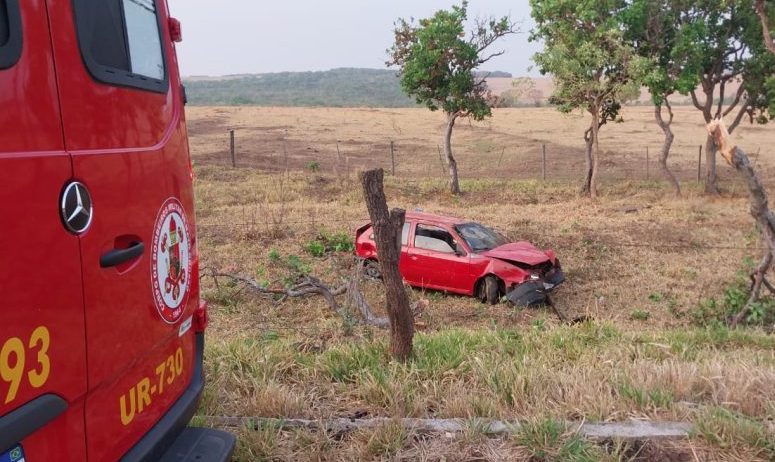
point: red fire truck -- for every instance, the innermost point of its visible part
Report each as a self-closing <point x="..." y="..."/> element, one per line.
<point x="101" y="325"/>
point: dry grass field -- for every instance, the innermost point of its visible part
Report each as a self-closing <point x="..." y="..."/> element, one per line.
<point x="651" y="272"/>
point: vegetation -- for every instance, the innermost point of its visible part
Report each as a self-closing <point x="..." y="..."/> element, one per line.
<point x="766" y="12"/>
<point x="592" y="65"/>
<point x="346" y="87"/>
<point x="716" y="311"/>
<point x="437" y="65"/>
<point x="721" y="43"/>
<point x="656" y="31"/>
<point x="334" y="88"/>
<point x="326" y="242"/>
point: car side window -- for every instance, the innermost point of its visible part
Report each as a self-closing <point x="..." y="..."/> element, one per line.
<point x="10" y="33"/>
<point x="404" y="234"/>
<point x="433" y="238"/>
<point x="121" y="42"/>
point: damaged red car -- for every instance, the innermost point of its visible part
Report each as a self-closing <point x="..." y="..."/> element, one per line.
<point x="468" y="258"/>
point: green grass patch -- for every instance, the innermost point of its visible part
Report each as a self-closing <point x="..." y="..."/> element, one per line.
<point x="729" y="430"/>
<point x="550" y="440"/>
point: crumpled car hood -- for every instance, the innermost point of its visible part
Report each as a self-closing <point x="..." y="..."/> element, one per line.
<point x="520" y="252"/>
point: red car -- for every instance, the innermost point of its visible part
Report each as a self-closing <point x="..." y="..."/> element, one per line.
<point x="465" y="257"/>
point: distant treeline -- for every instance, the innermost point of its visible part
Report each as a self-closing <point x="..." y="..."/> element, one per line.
<point x="335" y="88"/>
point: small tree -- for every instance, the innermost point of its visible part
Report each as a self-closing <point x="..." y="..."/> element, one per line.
<point x="654" y="29"/>
<point x="585" y="53"/>
<point x="524" y="88"/>
<point x="436" y="65"/>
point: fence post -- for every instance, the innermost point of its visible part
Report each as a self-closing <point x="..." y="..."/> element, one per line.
<point x="543" y="162"/>
<point x="441" y="160"/>
<point x="392" y="158"/>
<point x="647" y="163"/>
<point x="231" y="148"/>
<point x="699" y="165"/>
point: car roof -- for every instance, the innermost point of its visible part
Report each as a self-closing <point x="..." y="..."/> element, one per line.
<point x="438" y="219"/>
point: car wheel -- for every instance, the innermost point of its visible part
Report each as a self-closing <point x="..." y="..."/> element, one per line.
<point x="372" y="269"/>
<point x="491" y="290"/>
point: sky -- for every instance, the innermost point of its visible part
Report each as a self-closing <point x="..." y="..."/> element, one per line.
<point x="261" y="36"/>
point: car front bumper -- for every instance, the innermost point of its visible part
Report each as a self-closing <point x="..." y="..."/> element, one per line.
<point x="536" y="291"/>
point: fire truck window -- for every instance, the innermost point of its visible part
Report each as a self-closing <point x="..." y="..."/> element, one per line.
<point x="106" y="42"/>
<point x="144" y="41"/>
<point x="10" y="33"/>
<point x="121" y="42"/>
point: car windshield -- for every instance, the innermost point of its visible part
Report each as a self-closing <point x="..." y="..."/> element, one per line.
<point x="480" y="237"/>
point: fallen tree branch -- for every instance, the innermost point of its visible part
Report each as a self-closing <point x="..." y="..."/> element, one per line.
<point x="356" y="299"/>
<point x="760" y="210"/>
<point x="626" y="431"/>
<point x="313" y="286"/>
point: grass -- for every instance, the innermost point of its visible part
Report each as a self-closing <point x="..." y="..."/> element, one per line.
<point x="725" y="388"/>
<point x="550" y="440"/>
<point x="512" y="373"/>
<point x="729" y="430"/>
<point x="656" y="283"/>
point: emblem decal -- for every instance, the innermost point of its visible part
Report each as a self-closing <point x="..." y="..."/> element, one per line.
<point x="76" y="208"/>
<point x="170" y="264"/>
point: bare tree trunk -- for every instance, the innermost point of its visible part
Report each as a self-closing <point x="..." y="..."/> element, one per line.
<point x="454" y="184"/>
<point x="665" y="126"/>
<point x="711" y="180"/>
<point x="588" y="158"/>
<point x="760" y="211"/>
<point x="595" y="152"/>
<point x="387" y="234"/>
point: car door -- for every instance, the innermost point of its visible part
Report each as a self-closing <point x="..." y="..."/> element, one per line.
<point x="433" y="262"/>
<point x="42" y="340"/>
<point x="123" y="118"/>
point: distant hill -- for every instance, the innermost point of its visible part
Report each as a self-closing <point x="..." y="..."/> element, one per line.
<point x="351" y="87"/>
<point x="345" y="87"/>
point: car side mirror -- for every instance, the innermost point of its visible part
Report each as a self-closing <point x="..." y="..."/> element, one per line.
<point x="459" y="250"/>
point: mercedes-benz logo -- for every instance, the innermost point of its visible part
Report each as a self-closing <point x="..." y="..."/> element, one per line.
<point x="76" y="207"/>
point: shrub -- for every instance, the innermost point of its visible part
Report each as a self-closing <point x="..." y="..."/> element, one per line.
<point x="315" y="248"/>
<point x="274" y="256"/>
<point x="330" y="242"/>
<point x="640" y="315"/>
<point x="713" y="311"/>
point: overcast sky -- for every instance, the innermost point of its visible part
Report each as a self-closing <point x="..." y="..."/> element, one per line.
<point x="257" y="36"/>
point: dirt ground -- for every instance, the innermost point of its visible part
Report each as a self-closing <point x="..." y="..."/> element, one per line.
<point x="639" y="262"/>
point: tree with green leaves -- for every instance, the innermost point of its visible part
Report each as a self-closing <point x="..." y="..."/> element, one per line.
<point x="720" y="42"/>
<point x="591" y="65"/>
<point x="654" y="29"/>
<point x="436" y="64"/>
<point x="766" y="12"/>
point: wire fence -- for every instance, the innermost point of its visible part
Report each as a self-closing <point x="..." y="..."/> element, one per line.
<point x="499" y="159"/>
